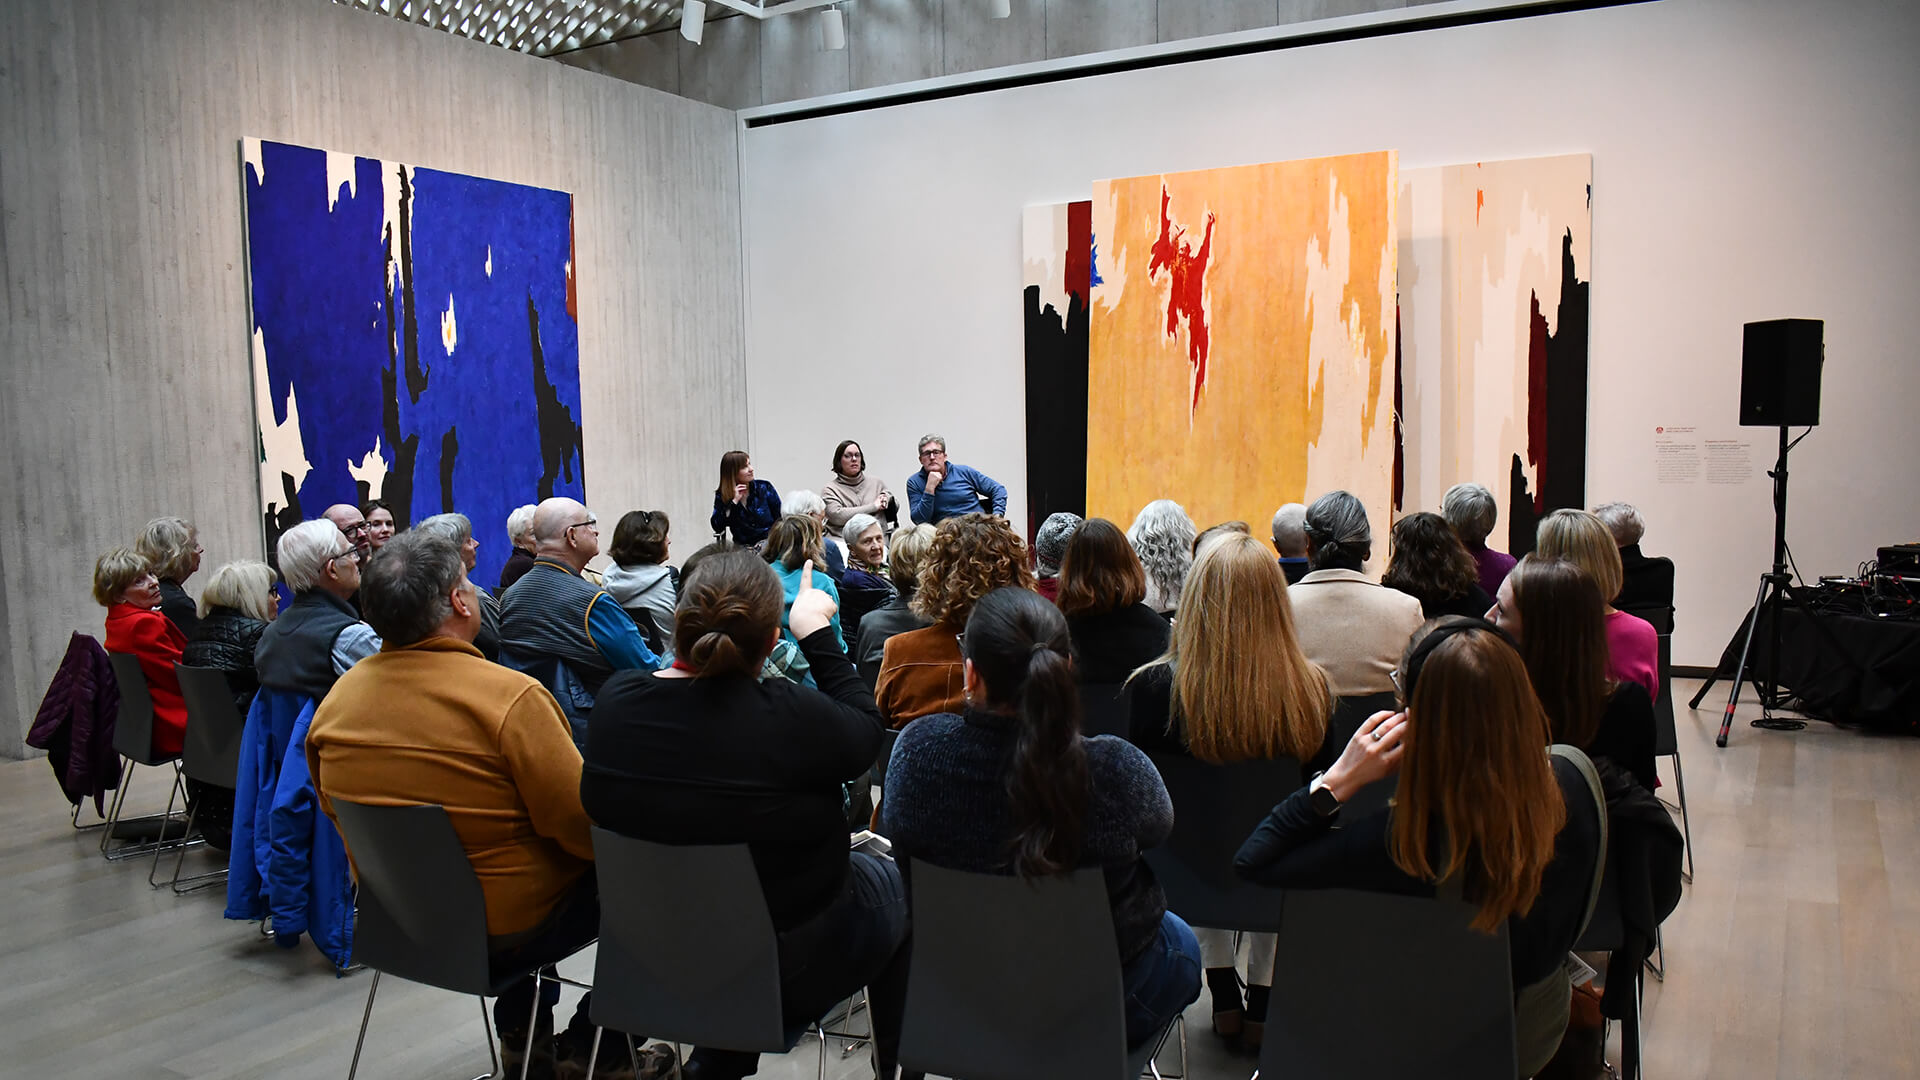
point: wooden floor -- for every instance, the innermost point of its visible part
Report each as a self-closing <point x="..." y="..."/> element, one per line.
<point x="1796" y="952"/>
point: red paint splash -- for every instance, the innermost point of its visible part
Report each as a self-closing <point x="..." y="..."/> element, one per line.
<point x="1479" y="203"/>
<point x="1537" y="400"/>
<point x="1187" y="269"/>
<point x="1079" y="253"/>
<point x="573" y="259"/>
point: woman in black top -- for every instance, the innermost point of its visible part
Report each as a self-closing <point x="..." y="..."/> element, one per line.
<point x="1430" y="564"/>
<point x="172" y="549"/>
<point x="705" y="753"/>
<point x="1480" y="802"/>
<point x="1102" y="585"/>
<point x="238" y="603"/>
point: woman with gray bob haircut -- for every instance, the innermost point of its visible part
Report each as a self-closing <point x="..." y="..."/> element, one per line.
<point x="1163" y="538"/>
<point x="406" y="593"/>
<point x="1470" y="509"/>
<point x="457" y="530"/>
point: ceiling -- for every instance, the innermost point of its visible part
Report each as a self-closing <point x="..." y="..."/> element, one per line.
<point x="539" y="27"/>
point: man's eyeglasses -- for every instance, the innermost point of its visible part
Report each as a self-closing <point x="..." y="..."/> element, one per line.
<point x="931" y="453"/>
<point x="343" y="554"/>
<point x="352" y="530"/>
<point x="591" y="523"/>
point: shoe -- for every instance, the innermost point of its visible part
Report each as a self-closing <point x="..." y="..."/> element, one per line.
<point x="574" y="1048"/>
<point x="1223" y="984"/>
<point x="1252" y="1034"/>
<point x="513" y="1050"/>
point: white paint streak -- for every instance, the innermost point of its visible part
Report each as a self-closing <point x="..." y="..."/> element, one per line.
<point x="250" y="153"/>
<point x="489" y="260"/>
<point x="449" y="331"/>
<point x="1043" y="246"/>
<point x="372" y="468"/>
<point x="281" y="448"/>
<point x="339" y="171"/>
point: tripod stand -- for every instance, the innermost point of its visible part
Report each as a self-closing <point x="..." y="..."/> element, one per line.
<point x="1775" y="587"/>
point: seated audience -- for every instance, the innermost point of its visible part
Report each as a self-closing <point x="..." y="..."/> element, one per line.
<point x="896" y="616"/>
<point x="1101" y="588"/>
<point x="944" y="489"/>
<point x="855" y="490"/>
<point x="457" y="530"/>
<point x="1633" y="645"/>
<point x="171" y="547"/>
<point x="793" y="542"/>
<point x="553" y="614"/>
<point x="1233" y="685"/>
<point x="429" y="720"/>
<point x="1212" y="531"/>
<point x="1552" y="609"/>
<point x="353" y="525"/>
<point x="1012" y="787"/>
<point x="1470" y="509"/>
<point x="1162" y="535"/>
<point x="1049" y="547"/>
<point x="235" y="608"/>
<point x="1430" y="564"/>
<point x="704" y="753"/>
<point x="810" y="504"/>
<point x="1290" y="540"/>
<point x="379" y="523"/>
<point x="920" y="672"/>
<point x="1480" y="803"/>
<point x="1353" y="628"/>
<point x="130" y="592"/>
<point x="640" y="578"/>
<point x="1645" y="582"/>
<point x="864" y="585"/>
<point x="520" y="535"/>
<point x="742" y="505"/>
<point x="320" y="635"/>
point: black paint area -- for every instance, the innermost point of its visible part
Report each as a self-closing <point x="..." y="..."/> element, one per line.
<point x="449" y="450"/>
<point x="561" y="451"/>
<point x="1056" y="408"/>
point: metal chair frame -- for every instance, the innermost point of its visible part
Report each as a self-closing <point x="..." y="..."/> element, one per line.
<point x="133" y="740"/>
<point x="212" y="748"/>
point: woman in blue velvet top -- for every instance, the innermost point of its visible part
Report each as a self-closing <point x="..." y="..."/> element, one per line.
<point x="742" y="505"/>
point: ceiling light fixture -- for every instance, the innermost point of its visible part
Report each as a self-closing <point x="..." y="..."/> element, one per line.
<point x="693" y="20"/>
<point x="833" y="30"/>
<point x="999" y="9"/>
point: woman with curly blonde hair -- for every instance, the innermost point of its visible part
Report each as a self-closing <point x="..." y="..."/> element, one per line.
<point x="921" y="672"/>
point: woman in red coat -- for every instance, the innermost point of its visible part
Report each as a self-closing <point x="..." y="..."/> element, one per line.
<point x="130" y="592"/>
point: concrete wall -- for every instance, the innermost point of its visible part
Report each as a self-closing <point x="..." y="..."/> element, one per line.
<point x="127" y="391"/>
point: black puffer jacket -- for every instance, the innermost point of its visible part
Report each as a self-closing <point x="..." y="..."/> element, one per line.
<point x="224" y="640"/>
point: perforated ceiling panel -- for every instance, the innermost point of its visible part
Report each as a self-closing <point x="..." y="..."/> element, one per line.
<point x="540" y="27"/>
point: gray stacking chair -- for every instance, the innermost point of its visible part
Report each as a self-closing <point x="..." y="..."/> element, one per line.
<point x="1369" y="964"/>
<point x="133" y="741"/>
<point x="1215" y="808"/>
<point x="689" y="953"/>
<point x="1017" y="980"/>
<point x="1666" y="741"/>
<point x="1104" y="709"/>
<point x="422" y="915"/>
<point x="210" y="755"/>
<point x="1348" y="714"/>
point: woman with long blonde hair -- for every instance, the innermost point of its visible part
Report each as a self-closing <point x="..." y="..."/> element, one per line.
<point x="1481" y="806"/>
<point x="1633" y="645"/>
<point x="1233" y="685"/>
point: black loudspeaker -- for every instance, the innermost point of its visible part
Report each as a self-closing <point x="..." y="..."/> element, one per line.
<point x="1780" y="373"/>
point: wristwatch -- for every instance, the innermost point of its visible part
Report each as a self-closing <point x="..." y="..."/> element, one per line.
<point x="1321" y="797"/>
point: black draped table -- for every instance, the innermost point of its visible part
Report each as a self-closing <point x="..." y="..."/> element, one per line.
<point x="1839" y="666"/>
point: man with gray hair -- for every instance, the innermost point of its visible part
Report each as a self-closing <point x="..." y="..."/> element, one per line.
<point x="1049" y="548"/>
<point x="1352" y="626"/>
<point x="520" y="535"/>
<point x="553" y="620"/>
<point x="1290" y="540"/>
<point x="1645" y="582"/>
<point x="320" y="635"/>
<point x="458" y="529"/>
<point x="943" y="489"/>
<point x="1470" y="509"/>
<point x="429" y="720"/>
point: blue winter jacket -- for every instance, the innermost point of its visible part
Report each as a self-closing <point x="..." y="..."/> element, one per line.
<point x="287" y="859"/>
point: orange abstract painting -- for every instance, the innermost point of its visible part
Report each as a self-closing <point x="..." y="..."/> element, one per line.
<point x="1243" y="339"/>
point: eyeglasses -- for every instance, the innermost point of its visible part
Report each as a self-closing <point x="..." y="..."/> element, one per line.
<point x="932" y="453"/>
<point x="360" y="528"/>
<point x="591" y="523"/>
<point x="342" y="554"/>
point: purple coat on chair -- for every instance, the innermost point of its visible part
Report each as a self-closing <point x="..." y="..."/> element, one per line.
<point x="75" y="723"/>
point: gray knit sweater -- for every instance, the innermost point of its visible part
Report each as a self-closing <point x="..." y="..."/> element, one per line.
<point x="947" y="803"/>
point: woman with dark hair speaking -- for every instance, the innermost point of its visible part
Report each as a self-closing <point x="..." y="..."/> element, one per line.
<point x="704" y="752"/>
<point x="1481" y="805"/>
<point x="1011" y="787"/>
<point x="741" y="504"/>
<point x="854" y="489"/>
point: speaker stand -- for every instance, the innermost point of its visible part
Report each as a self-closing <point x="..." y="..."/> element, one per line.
<point x="1767" y="602"/>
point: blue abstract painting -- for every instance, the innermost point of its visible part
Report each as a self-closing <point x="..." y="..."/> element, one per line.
<point x="414" y="340"/>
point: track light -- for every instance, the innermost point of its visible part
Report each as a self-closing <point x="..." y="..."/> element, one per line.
<point x="999" y="9"/>
<point x="693" y="20"/>
<point x="833" y="30"/>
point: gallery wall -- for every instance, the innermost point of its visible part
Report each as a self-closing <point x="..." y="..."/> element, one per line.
<point x="1752" y="159"/>
<point x="127" y="390"/>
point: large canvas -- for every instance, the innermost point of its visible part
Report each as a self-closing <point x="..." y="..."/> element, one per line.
<point x="1495" y="271"/>
<point x="414" y="340"/>
<point x="1058" y="273"/>
<point x="1242" y="343"/>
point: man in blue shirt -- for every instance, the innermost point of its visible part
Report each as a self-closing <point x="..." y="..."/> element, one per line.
<point x="942" y="489"/>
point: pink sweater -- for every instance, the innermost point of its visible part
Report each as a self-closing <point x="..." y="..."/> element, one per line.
<point x="1633" y="651"/>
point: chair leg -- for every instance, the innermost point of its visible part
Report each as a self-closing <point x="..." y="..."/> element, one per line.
<point x="533" y="1015"/>
<point x="74" y="818"/>
<point x="1686" y="827"/>
<point x="154" y="870"/>
<point x="1657" y="963"/>
<point x="113" y="806"/>
<point x="593" y="1056"/>
<point x="136" y="850"/>
<point x="493" y="1050"/>
<point x="365" y="1016"/>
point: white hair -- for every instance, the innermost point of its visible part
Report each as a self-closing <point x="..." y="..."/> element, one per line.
<point x="857" y="524"/>
<point x="305" y="550"/>
<point x="1470" y="509"/>
<point x="1162" y="535"/>
<point x="1623" y="521"/>
<point x="520" y="525"/>
<point x="803" y="502"/>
